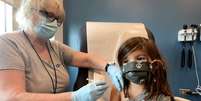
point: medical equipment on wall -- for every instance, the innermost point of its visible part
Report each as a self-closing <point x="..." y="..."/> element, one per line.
<point x="188" y="36"/>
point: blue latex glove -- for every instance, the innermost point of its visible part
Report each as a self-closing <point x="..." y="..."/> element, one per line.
<point x="115" y="74"/>
<point x="90" y="92"/>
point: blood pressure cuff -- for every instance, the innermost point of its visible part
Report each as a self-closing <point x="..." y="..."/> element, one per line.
<point x="136" y="72"/>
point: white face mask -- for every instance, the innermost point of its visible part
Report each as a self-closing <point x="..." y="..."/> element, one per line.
<point x="46" y="30"/>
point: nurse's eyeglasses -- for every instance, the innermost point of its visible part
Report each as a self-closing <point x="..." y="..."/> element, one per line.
<point x="51" y="17"/>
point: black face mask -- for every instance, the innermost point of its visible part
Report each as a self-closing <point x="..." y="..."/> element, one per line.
<point x="137" y="71"/>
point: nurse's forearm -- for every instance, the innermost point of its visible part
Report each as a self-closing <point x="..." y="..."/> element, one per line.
<point x="96" y="62"/>
<point x="42" y="97"/>
<point x="85" y="60"/>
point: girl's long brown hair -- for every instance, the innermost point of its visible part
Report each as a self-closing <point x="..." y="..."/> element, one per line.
<point x="156" y="83"/>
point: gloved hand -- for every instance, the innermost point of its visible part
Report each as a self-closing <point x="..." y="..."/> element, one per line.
<point x="90" y="92"/>
<point x="115" y="74"/>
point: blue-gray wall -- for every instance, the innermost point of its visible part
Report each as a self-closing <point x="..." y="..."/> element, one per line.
<point x="163" y="17"/>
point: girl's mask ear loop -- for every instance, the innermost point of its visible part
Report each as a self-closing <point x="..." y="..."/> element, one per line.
<point x="157" y="62"/>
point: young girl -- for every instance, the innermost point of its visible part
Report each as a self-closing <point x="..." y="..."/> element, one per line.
<point x="144" y="72"/>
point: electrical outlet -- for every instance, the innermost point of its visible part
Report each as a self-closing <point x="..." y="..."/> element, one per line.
<point x="184" y="91"/>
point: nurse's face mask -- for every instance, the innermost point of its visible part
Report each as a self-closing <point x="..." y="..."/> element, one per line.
<point x="49" y="25"/>
<point x="137" y="71"/>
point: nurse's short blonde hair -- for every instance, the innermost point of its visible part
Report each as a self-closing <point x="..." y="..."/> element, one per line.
<point x="25" y="11"/>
